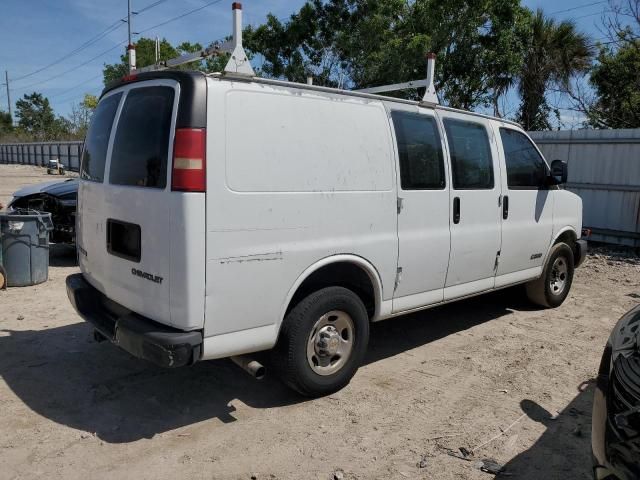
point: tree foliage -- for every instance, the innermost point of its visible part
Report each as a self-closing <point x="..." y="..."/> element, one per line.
<point x="36" y="117"/>
<point x="80" y="116"/>
<point x="556" y="52"/>
<point x="146" y="55"/>
<point x="615" y="77"/>
<point x="6" y="123"/>
<point x="617" y="83"/>
<point x="38" y="122"/>
<point x="362" y="43"/>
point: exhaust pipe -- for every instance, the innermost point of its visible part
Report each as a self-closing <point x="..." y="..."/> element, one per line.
<point x="249" y="365"/>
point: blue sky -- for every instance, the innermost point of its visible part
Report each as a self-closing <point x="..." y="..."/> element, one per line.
<point x="36" y="33"/>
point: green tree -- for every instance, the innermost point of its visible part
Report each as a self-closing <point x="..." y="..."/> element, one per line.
<point x="617" y="84"/>
<point x="555" y="53"/>
<point x="145" y="56"/>
<point x="305" y="45"/>
<point x="615" y="78"/>
<point x="362" y="43"/>
<point x="89" y="102"/>
<point x="80" y="116"/>
<point x="6" y="122"/>
<point x="36" y="117"/>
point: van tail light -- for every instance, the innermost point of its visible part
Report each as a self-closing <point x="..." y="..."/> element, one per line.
<point x="189" y="160"/>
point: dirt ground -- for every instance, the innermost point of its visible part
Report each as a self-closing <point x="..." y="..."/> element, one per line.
<point x="491" y="370"/>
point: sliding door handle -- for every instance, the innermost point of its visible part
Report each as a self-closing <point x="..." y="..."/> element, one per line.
<point x="505" y="207"/>
<point x="456" y="210"/>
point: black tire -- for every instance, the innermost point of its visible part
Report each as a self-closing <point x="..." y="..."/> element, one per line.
<point x="289" y="357"/>
<point x="541" y="291"/>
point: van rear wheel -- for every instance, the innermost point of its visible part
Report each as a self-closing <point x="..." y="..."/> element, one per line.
<point x="553" y="286"/>
<point x="322" y="342"/>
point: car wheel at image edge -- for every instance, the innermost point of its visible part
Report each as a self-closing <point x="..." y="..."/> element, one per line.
<point x="553" y="286"/>
<point x="322" y="342"/>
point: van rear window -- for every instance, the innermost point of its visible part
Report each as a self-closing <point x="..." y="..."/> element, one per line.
<point x="141" y="144"/>
<point x="95" y="146"/>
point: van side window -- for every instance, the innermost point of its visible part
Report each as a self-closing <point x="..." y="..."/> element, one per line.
<point x="471" y="161"/>
<point x="419" y="150"/>
<point x="141" y="144"/>
<point x="525" y="166"/>
<point x="95" y="146"/>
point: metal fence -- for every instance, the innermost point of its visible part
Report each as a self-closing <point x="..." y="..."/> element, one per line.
<point x="604" y="170"/>
<point x="41" y="152"/>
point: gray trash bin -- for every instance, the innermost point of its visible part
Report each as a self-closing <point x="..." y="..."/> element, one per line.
<point x="24" y="238"/>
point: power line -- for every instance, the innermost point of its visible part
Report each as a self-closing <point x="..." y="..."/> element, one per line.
<point x="592" y="14"/>
<point x="152" y="5"/>
<point x="149" y="7"/>
<point x="74" y="68"/>
<point x="178" y="17"/>
<point x="579" y="7"/>
<point x="110" y="29"/>
<point x="61" y="94"/>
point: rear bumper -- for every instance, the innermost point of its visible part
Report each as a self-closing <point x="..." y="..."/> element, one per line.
<point x="140" y="336"/>
<point x="581" y="252"/>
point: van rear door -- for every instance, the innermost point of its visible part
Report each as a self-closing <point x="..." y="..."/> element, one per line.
<point x="140" y="242"/>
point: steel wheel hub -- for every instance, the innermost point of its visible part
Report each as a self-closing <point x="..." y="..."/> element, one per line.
<point x="559" y="276"/>
<point x="330" y="342"/>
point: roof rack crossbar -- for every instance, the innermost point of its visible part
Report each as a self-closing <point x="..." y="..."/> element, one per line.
<point x="394" y="87"/>
<point x="430" y="94"/>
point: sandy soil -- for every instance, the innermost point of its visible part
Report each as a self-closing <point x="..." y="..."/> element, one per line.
<point x="450" y="377"/>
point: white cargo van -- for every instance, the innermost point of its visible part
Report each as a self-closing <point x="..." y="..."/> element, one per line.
<point x="220" y="216"/>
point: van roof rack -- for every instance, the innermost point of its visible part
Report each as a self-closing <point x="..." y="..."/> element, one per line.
<point x="238" y="64"/>
<point x="430" y="94"/>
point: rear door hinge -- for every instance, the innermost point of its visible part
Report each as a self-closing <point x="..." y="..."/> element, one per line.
<point x="495" y="267"/>
<point x="398" y="278"/>
<point x="400" y="205"/>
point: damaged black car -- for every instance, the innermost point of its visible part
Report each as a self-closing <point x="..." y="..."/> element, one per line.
<point x="57" y="198"/>
<point x="615" y="434"/>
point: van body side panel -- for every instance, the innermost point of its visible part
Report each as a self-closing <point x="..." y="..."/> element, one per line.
<point x="187" y="231"/>
<point x="292" y="178"/>
<point x="567" y="213"/>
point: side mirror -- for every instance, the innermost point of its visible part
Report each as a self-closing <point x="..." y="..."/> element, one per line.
<point x="559" y="172"/>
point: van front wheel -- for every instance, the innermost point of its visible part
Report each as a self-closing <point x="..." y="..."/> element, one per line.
<point x="553" y="286"/>
<point x="322" y="342"/>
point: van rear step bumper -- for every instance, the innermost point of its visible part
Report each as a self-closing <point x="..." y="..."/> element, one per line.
<point x="140" y="336"/>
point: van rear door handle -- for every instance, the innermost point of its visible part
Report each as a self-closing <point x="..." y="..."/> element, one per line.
<point x="505" y="207"/>
<point x="456" y="210"/>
